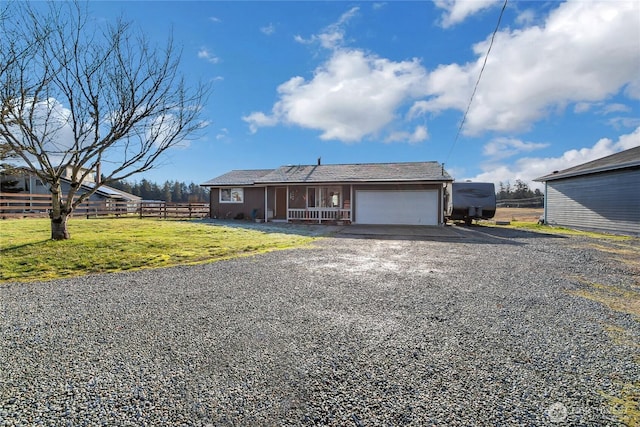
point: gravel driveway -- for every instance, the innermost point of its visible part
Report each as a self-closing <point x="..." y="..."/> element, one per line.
<point x="476" y="329"/>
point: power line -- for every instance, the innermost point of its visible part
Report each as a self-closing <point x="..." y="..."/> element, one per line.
<point x="475" y="88"/>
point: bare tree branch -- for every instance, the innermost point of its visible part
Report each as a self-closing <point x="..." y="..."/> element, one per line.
<point x="74" y="95"/>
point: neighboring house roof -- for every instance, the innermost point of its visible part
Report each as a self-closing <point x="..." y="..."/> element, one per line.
<point x="365" y="172"/>
<point x="104" y="190"/>
<point x="109" y="192"/>
<point x="622" y="160"/>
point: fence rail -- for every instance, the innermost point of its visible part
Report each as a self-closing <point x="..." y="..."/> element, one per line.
<point x="532" y="202"/>
<point x="13" y="205"/>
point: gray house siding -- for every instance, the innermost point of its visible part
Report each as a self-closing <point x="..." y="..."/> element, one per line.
<point x="607" y="202"/>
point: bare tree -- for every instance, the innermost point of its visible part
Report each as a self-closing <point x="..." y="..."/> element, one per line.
<point x="75" y="95"/>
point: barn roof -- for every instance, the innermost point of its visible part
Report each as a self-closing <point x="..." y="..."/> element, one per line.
<point x="624" y="159"/>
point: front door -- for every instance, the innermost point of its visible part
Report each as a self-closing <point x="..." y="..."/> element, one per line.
<point x="281" y="203"/>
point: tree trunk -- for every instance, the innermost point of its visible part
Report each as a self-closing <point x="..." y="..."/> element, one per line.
<point x="59" y="214"/>
<point x="59" y="227"/>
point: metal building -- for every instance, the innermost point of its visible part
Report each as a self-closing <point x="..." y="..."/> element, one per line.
<point x="601" y="195"/>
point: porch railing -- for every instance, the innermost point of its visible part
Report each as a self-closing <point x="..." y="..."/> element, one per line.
<point x="319" y="214"/>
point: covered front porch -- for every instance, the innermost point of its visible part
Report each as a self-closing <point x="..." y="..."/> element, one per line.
<point x="315" y="204"/>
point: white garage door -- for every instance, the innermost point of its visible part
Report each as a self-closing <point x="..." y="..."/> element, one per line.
<point x="397" y="207"/>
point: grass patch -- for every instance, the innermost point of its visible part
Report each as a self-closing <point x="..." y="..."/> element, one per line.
<point x="614" y="297"/>
<point x="112" y="245"/>
<point x="549" y="229"/>
<point x="625" y="404"/>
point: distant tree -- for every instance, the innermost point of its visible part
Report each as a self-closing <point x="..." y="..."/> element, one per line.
<point x="519" y="194"/>
<point x="176" y="193"/>
<point x="75" y="94"/>
<point x="522" y="190"/>
<point x="146" y="191"/>
<point x="166" y="191"/>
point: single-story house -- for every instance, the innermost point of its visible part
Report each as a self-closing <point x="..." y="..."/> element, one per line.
<point x="372" y="193"/>
<point x="601" y="195"/>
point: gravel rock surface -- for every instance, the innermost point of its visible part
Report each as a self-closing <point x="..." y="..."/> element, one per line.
<point x="479" y="328"/>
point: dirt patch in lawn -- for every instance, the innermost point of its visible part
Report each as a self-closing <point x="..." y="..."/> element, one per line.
<point x="518" y="214"/>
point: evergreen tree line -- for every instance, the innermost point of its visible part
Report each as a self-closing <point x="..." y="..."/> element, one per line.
<point x="518" y="194"/>
<point x="170" y="191"/>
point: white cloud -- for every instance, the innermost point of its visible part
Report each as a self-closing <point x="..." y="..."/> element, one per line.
<point x="223" y="134"/>
<point x="268" y="29"/>
<point x="582" y="107"/>
<point x="501" y="148"/>
<point x="419" y="134"/>
<point x="457" y="11"/>
<point x="623" y="122"/>
<point x="162" y="127"/>
<point x="205" y="54"/>
<point x="526" y="17"/>
<point x="332" y="36"/>
<point x="602" y="108"/>
<point x="259" y="119"/>
<point x="586" y="51"/>
<point x="529" y="168"/>
<point x="51" y="131"/>
<point x="351" y="96"/>
<point x="615" y="108"/>
<point x="215" y="19"/>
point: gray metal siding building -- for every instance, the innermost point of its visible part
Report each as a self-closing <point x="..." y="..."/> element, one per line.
<point x="602" y="195"/>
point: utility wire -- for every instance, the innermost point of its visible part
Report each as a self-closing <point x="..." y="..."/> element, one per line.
<point x="475" y="88"/>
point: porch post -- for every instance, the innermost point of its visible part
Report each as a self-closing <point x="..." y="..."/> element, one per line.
<point x="441" y="204"/>
<point x="351" y="203"/>
<point x="266" y="215"/>
<point x="544" y="202"/>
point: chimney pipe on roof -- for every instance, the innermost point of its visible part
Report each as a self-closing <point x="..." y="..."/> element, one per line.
<point x="98" y="173"/>
<point x="319" y="160"/>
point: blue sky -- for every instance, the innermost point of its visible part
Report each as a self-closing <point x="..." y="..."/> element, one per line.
<point x="359" y="82"/>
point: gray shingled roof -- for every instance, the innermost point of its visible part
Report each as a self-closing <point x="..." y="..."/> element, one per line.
<point x="624" y="159"/>
<point x="237" y="177"/>
<point x="365" y="172"/>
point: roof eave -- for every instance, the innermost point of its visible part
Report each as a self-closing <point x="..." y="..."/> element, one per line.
<point x="348" y="181"/>
<point x="571" y="174"/>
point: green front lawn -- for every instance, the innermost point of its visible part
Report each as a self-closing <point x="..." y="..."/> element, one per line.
<point x="111" y="245"/>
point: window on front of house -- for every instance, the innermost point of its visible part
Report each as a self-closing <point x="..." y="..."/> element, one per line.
<point x="323" y="197"/>
<point x="231" y="195"/>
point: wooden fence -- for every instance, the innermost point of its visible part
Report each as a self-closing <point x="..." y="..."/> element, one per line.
<point x="13" y="205"/>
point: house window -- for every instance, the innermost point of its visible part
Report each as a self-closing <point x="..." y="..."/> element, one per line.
<point x="232" y="195"/>
<point x="323" y="197"/>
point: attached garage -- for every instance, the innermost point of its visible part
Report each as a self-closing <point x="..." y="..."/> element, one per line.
<point x="405" y="207"/>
